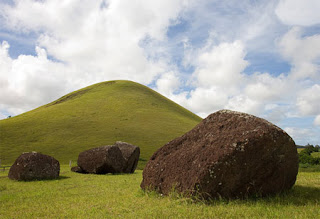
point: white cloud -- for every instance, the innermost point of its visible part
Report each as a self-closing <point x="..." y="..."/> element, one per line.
<point x="308" y="101"/>
<point x="93" y="41"/>
<point x="317" y="120"/>
<point x="218" y="75"/>
<point x="243" y="103"/>
<point x="298" y="12"/>
<point x="276" y="112"/>
<point x="101" y="41"/>
<point x="200" y="63"/>
<point x="303" y="135"/>
<point x="168" y="83"/>
<point x="206" y="100"/>
<point x="266" y="87"/>
<point x="220" y="83"/>
<point x="302" y="52"/>
<point x="29" y="80"/>
<point x="221" y="66"/>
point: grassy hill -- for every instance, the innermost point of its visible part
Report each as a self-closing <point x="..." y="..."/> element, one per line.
<point x="93" y="116"/>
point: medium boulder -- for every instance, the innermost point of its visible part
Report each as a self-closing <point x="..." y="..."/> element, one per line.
<point x="34" y="166"/>
<point x="102" y="160"/>
<point x="131" y="154"/>
<point x="229" y="154"/>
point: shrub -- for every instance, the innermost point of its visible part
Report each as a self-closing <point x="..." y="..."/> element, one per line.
<point x="306" y="158"/>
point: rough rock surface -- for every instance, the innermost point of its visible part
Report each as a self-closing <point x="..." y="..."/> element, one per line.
<point x="229" y="154"/>
<point x="131" y="154"/>
<point x="102" y="160"/>
<point x="34" y="166"/>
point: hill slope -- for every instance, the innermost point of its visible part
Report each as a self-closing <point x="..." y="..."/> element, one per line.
<point x="93" y="116"/>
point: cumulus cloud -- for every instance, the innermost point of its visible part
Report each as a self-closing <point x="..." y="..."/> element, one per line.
<point x="206" y="100"/>
<point x="263" y="86"/>
<point x="196" y="53"/>
<point x="99" y="38"/>
<point x="304" y="135"/>
<point x="220" y="82"/>
<point x="168" y="83"/>
<point x="317" y="120"/>
<point x="297" y="12"/>
<point x="302" y="52"/>
<point x="221" y="66"/>
<point x="86" y="42"/>
<point x="217" y="76"/>
<point x="30" y="80"/>
<point x="308" y="100"/>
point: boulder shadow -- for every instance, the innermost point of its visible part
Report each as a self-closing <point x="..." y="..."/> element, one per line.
<point x="301" y="195"/>
<point x="63" y="177"/>
<point x="298" y="196"/>
<point x="35" y="180"/>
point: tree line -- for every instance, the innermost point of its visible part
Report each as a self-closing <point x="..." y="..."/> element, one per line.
<point x="305" y="156"/>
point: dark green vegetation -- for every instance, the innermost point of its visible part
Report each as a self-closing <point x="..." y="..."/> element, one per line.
<point x="94" y="116"/>
<point x="309" y="158"/>
<point x="119" y="196"/>
<point x="309" y="155"/>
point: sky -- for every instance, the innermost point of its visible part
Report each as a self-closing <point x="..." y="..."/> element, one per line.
<point x="256" y="56"/>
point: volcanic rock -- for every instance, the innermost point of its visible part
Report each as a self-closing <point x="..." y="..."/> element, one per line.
<point x="131" y="154"/>
<point x="229" y="154"/>
<point x="34" y="166"/>
<point x="102" y="160"/>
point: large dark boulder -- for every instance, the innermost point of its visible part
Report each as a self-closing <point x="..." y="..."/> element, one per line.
<point x="229" y="154"/>
<point x="131" y="154"/>
<point x="121" y="157"/>
<point x="102" y="160"/>
<point x="34" y="166"/>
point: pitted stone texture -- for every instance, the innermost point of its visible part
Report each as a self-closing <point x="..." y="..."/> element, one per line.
<point x="131" y="154"/>
<point x="34" y="166"/>
<point x="102" y="160"/>
<point x="229" y="154"/>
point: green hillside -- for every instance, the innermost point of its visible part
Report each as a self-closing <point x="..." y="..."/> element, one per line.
<point x="93" y="116"/>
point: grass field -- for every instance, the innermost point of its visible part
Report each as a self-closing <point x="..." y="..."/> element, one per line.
<point x="119" y="196"/>
<point x="300" y="149"/>
<point x="315" y="154"/>
<point x="94" y="116"/>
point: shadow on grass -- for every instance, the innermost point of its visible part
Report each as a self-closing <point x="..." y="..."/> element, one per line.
<point x="298" y="196"/>
<point x="45" y="180"/>
<point x="301" y="195"/>
<point x="107" y="174"/>
<point x="63" y="177"/>
<point x="59" y="178"/>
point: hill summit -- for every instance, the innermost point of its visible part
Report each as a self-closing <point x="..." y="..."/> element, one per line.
<point x="100" y="114"/>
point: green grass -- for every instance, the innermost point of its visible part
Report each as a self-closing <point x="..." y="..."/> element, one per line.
<point x="309" y="167"/>
<point x="299" y="149"/>
<point x="315" y="154"/>
<point x="94" y="116"/>
<point x="119" y="196"/>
